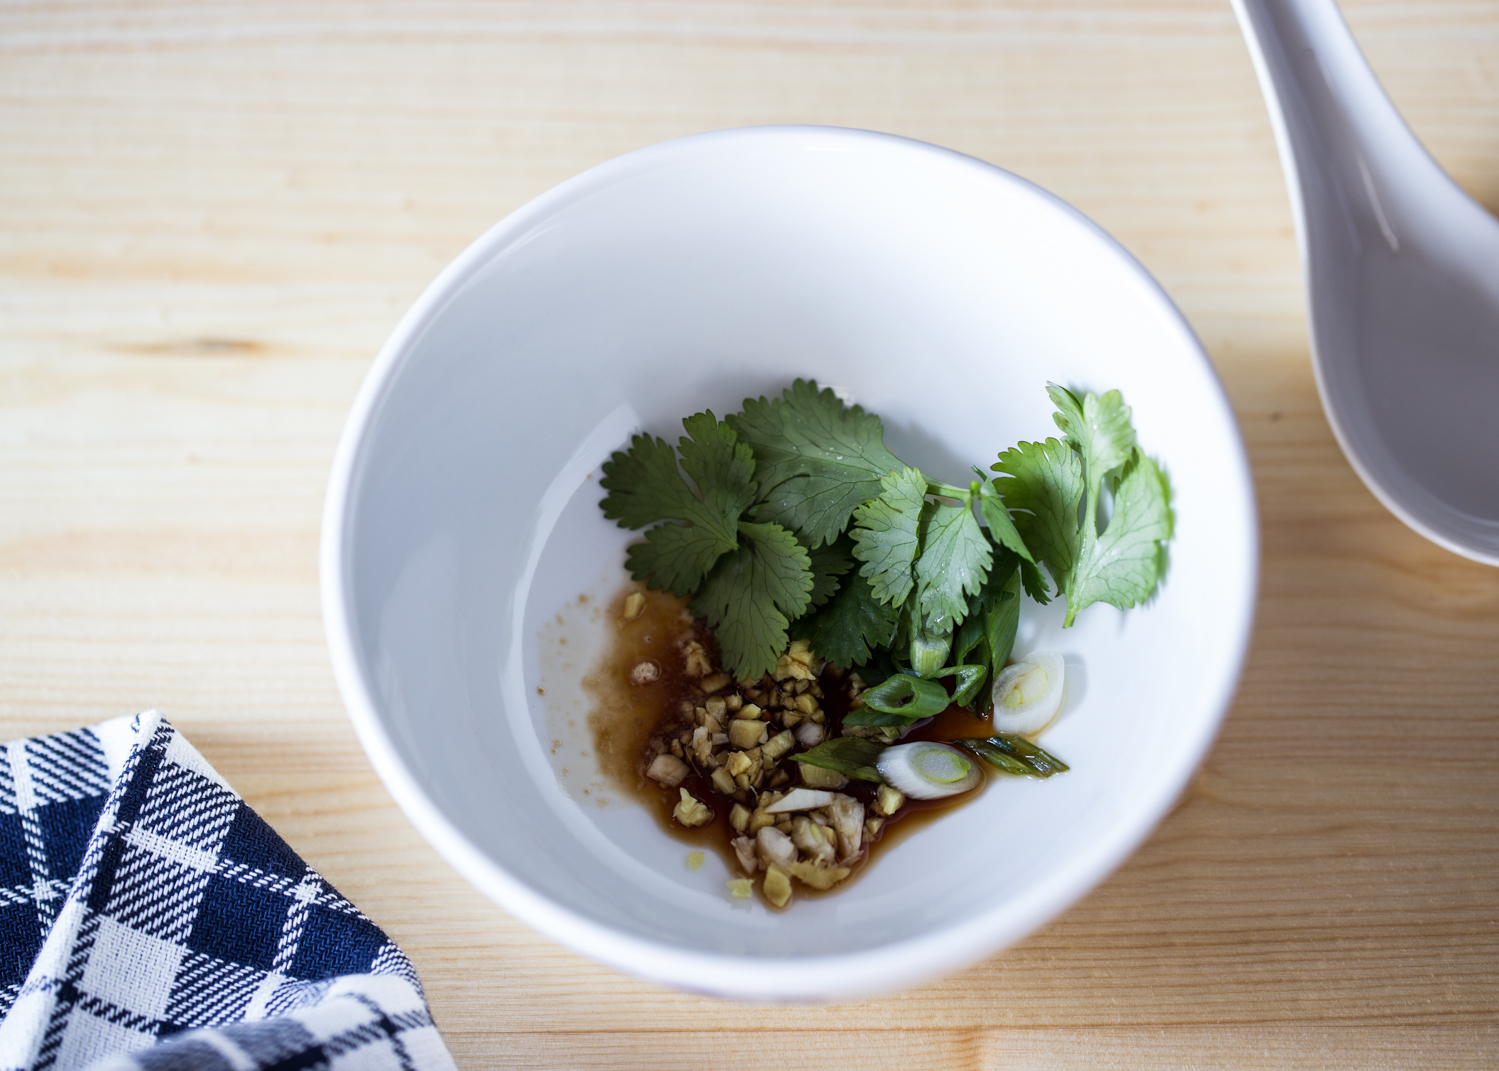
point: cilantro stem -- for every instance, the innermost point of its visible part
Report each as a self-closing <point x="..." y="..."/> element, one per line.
<point x="947" y="490"/>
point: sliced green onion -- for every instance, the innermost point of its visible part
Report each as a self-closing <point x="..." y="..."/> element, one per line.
<point x="928" y="652"/>
<point x="927" y="770"/>
<point x="1028" y="694"/>
<point x="1015" y="755"/>
<point x="900" y="700"/>
<point x="970" y="679"/>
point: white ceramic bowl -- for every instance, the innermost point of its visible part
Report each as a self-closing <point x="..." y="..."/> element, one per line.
<point x="462" y="523"/>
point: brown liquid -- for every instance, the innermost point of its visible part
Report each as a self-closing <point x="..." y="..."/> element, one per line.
<point x="954" y="723"/>
<point x="628" y="717"/>
<point x="625" y="714"/>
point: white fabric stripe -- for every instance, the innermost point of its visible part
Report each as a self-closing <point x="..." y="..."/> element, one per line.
<point x="262" y="997"/>
<point x="20" y="773"/>
<point x="117" y="737"/>
<point x="225" y="1047"/>
<point x="26" y="894"/>
<point x="296" y="917"/>
<point x="42" y="891"/>
<point x="177" y="852"/>
<point x="118" y="1062"/>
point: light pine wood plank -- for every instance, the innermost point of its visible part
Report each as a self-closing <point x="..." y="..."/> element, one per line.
<point x="212" y="215"/>
<point x="1009" y="1050"/>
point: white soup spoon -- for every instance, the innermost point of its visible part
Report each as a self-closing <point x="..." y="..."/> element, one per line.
<point x="1402" y="273"/>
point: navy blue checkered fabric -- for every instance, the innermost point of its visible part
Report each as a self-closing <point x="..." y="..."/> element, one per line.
<point x="149" y="919"/>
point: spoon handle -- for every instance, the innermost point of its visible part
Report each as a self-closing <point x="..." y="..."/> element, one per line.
<point x="1344" y="147"/>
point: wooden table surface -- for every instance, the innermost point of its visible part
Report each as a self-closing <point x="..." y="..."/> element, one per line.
<point x="211" y="215"/>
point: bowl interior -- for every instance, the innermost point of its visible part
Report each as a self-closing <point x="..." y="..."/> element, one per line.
<point x="935" y="290"/>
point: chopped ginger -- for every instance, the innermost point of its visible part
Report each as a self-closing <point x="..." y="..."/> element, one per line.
<point x="777" y="886"/>
<point x="796" y="663"/>
<point x="786" y="820"/>
<point x="716" y="682"/>
<point x="779" y="744"/>
<point x="819" y="877"/>
<point x="888" y="800"/>
<point x="668" y="769"/>
<point x="697" y="659"/>
<point x="746" y="734"/>
<point x="690" y="812"/>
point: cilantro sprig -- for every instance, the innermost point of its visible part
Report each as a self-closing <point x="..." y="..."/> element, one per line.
<point x="1050" y="483"/>
<point x="749" y="579"/>
<point x="792" y="519"/>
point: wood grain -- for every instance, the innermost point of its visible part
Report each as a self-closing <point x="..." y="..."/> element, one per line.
<point x="211" y="214"/>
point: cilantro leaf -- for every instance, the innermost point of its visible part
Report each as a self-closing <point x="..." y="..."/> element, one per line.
<point x="786" y="568"/>
<point x="1049" y="484"/>
<point x="750" y="596"/>
<point x="645" y="485"/>
<point x="852" y="623"/>
<point x="1043" y="483"/>
<point x="675" y="557"/>
<point x="1097" y="428"/>
<point x="829" y="562"/>
<point x="887" y="535"/>
<point x="952" y="566"/>
<point x="1121" y="566"/>
<point x="1034" y="582"/>
<point x="1001" y="525"/>
<point x="817" y="459"/>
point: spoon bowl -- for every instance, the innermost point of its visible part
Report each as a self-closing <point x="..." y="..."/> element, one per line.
<point x="1402" y="274"/>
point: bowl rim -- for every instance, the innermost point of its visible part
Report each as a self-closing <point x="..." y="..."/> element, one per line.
<point x="777" y="978"/>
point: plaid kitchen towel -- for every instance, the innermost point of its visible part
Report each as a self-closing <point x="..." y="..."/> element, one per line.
<point x="149" y="919"/>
